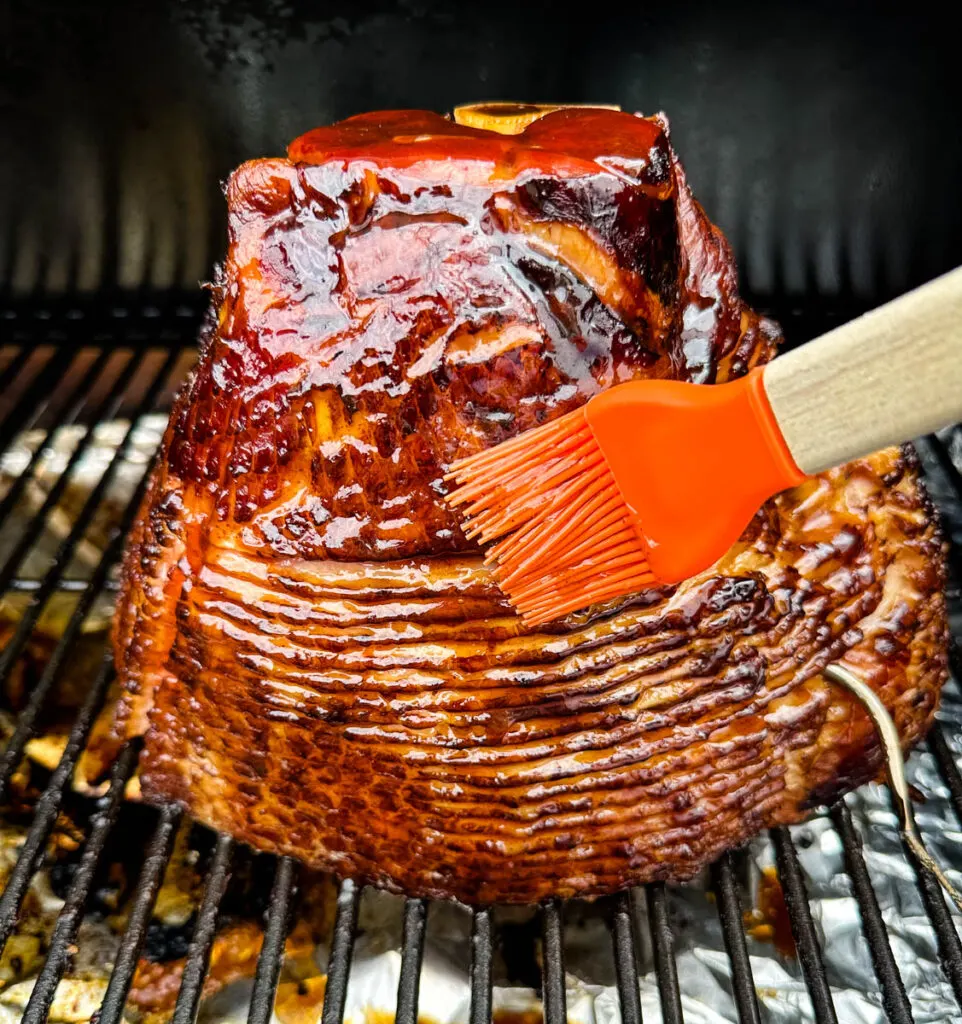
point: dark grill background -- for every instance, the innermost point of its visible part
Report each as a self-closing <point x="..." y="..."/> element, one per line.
<point x="822" y="137"/>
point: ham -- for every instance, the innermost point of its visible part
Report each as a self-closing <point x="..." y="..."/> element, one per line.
<point x="314" y="654"/>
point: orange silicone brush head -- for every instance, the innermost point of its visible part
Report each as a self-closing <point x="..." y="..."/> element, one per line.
<point x="648" y="484"/>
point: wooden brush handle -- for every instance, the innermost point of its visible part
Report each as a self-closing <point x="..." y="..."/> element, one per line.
<point x="889" y="376"/>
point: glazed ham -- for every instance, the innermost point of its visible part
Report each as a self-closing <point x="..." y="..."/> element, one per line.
<point x="316" y="657"/>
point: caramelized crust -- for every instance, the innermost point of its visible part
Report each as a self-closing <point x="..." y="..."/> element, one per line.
<point x="318" y="660"/>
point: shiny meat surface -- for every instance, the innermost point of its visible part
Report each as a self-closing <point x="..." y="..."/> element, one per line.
<point x="317" y="658"/>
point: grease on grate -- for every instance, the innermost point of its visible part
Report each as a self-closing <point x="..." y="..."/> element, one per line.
<point x="768" y="920"/>
<point x="300" y="1002"/>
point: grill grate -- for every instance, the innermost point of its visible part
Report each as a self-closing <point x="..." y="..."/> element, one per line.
<point x="139" y="357"/>
<point x="156" y="856"/>
<point x="803" y="927"/>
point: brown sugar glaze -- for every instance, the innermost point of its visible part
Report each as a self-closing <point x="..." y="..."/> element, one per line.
<point x="318" y="660"/>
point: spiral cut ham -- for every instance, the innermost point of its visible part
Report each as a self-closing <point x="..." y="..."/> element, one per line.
<point x="316" y="657"/>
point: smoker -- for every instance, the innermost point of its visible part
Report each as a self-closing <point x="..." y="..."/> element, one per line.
<point x="824" y="142"/>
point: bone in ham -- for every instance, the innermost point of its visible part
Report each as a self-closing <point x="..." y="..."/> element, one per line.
<point x="317" y="659"/>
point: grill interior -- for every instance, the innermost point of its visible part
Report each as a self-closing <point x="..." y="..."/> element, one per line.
<point x="75" y="367"/>
<point x="815" y="136"/>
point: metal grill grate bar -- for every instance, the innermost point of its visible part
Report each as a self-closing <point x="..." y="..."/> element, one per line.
<point x="626" y="970"/>
<point x="13" y="752"/>
<point x="66" y="548"/>
<point x="31" y="614"/>
<point x="156" y="319"/>
<point x="412" y="954"/>
<point x="481" y="954"/>
<point x="342" y="950"/>
<point x="663" y="942"/>
<point x="894" y="999"/>
<point x="950" y="948"/>
<point x="48" y="806"/>
<point x="156" y="858"/>
<point x="198" y="955"/>
<point x="934" y="446"/>
<point x="74" y="403"/>
<point x="803" y="927"/>
<point x="29" y="585"/>
<point x="948" y="769"/>
<point x="553" y="972"/>
<point x="12" y="370"/>
<point x="275" y="935"/>
<point x="33" y="402"/>
<point x="730" y="912"/>
<point x="68" y="921"/>
<point x="106" y="409"/>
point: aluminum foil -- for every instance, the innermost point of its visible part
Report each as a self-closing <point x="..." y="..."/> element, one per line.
<point x="703" y="966"/>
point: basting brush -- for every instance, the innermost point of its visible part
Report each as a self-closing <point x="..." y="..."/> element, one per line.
<point x="652" y="481"/>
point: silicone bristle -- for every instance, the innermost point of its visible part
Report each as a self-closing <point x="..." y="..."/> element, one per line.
<point x="563" y="536"/>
